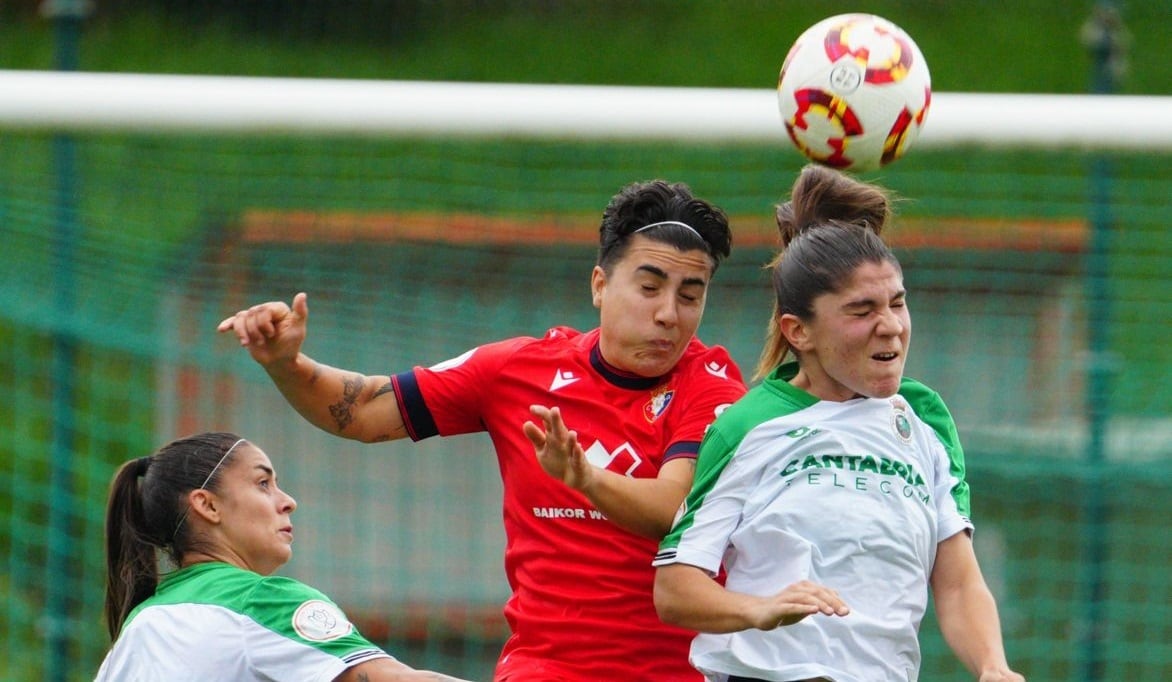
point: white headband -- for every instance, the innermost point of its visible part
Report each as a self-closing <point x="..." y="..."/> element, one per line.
<point x="205" y="484"/>
<point x="686" y="226"/>
<point x="215" y="468"/>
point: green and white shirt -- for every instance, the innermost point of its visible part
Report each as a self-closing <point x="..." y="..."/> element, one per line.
<point x="854" y="495"/>
<point x="215" y="621"/>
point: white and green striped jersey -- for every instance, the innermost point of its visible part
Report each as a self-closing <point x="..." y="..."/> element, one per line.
<point x="854" y="495"/>
<point x="215" y="621"/>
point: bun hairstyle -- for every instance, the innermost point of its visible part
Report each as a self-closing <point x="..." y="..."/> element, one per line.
<point x="822" y="195"/>
<point x="829" y="226"/>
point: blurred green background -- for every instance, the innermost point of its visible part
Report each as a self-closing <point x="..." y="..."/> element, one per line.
<point x="1054" y="359"/>
<point x="971" y="45"/>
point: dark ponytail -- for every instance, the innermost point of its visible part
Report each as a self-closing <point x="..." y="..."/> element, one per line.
<point x="146" y="513"/>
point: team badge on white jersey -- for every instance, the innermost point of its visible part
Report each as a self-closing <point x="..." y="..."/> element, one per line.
<point x="899" y="419"/>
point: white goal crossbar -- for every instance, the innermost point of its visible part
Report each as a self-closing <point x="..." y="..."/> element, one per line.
<point x="106" y="102"/>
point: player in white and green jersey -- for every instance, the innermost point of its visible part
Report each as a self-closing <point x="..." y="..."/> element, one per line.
<point x="854" y="495"/>
<point x="830" y="495"/>
<point x="212" y="504"/>
<point x="215" y="621"/>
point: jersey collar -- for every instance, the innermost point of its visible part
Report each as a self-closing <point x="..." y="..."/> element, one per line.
<point x="617" y="377"/>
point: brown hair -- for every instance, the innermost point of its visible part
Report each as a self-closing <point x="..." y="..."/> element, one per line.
<point x="829" y="226"/>
<point x="146" y="513"/>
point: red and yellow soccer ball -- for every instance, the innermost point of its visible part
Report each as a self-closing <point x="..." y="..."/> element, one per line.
<point x="854" y="92"/>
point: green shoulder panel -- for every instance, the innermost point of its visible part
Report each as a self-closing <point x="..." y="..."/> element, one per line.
<point x="768" y="400"/>
<point x="930" y="407"/>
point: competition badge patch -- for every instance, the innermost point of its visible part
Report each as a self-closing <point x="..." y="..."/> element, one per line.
<point x="657" y="404"/>
<point x="319" y="621"/>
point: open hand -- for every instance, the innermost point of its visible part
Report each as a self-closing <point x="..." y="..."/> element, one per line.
<point x="557" y="448"/>
<point x="796" y="602"/>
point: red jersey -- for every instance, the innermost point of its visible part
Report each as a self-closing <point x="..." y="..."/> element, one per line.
<point x="581" y="608"/>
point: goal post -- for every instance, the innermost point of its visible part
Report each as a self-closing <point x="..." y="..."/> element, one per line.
<point x="92" y="102"/>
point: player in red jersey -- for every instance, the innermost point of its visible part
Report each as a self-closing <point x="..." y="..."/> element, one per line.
<point x="639" y="391"/>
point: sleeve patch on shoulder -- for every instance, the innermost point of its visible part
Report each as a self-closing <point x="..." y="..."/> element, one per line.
<point x="319" y="621"/>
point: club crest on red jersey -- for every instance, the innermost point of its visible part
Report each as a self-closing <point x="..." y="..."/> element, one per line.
<point x="656" y="406"/>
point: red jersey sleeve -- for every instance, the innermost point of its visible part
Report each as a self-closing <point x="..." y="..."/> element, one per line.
<point x="455" y="390"/>
<point x="712" y="381"/>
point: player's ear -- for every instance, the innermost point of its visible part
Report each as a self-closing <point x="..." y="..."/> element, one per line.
<point x="204" y="505"/>
<point x="597" y="285"/>
<point x="795" y="332"/>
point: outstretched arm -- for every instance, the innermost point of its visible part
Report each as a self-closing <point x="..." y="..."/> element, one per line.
<point x="967" y="612"/>
<point x="688" y="597"/>
<point x="645" y="506"/>
<point x="343" y="403"/>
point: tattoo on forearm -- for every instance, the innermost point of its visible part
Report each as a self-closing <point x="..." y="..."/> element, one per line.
<point x="343" y="410"/>
<point x="363" y="677"/>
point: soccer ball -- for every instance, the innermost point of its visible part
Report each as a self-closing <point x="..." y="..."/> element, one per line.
<point x="854" y="92"/>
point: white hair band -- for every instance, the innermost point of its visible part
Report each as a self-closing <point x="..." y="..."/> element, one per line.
<point x="686" y="226"/>
<point x="205" y="484"/>
<point x="217" y="467"/>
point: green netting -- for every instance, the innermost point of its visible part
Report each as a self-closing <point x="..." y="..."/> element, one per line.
<point x="119" y="263"/>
